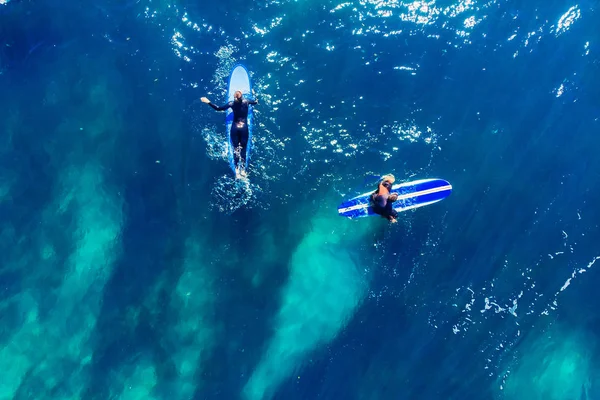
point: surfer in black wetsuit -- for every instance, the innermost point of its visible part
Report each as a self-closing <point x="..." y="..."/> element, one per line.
<point x="382" y="199"/>
<point x="239" y="127"/>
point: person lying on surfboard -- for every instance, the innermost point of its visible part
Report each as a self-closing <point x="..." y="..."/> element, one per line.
<point x="239" y="128"/>
<point x="382" y="199"/>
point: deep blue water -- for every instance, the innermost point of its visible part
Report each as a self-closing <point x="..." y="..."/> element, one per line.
<point x="132" y="265"/>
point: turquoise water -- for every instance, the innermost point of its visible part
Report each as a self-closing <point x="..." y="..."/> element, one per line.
<point x="134" y="267"/>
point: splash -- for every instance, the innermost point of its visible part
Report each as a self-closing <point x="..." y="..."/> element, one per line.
<point x="323" y="290"/>
<point x="419" y="13"/>
<point x="567" y="19"/>
<point x="229" y="194"/>
<point x="216" y="144"/>
<point x="226" y="61"/>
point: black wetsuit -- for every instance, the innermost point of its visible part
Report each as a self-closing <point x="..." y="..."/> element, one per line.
<point x="239" y="135"/>
<point x="382" y="204"/>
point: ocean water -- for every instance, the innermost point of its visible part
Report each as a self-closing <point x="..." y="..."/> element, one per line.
<point x="133" y="266"/>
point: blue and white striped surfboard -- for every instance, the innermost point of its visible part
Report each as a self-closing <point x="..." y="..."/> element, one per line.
<point x="410" y="195"/>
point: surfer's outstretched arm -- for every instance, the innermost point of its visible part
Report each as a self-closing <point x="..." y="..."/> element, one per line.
<point x="255" y="101"/>
<point x="221" y="108"/>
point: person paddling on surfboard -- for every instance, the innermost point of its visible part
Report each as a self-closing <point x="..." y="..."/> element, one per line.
<point x="382" y="199"/>
<point x="239" y="128"/>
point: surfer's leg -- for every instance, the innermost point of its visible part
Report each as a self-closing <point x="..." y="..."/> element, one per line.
<point x="379" y="205"/>
<point x="390" y="213"/>
<point x="235" y="141"/>
<point x="244" y="142"/>
<point x="384" y="207"/>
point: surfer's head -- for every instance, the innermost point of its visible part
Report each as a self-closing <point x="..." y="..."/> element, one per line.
<point x="389" y="177"/>
<point x="387" y="182"/>
<point x="237" y="95"/>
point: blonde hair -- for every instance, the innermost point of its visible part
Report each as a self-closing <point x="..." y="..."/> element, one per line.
<point x="388" y="177"/>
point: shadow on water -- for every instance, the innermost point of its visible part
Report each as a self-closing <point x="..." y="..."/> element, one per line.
<point x="252" y="273"/>
<point x="27" y="186"/>
<point x="153" y="246"/>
